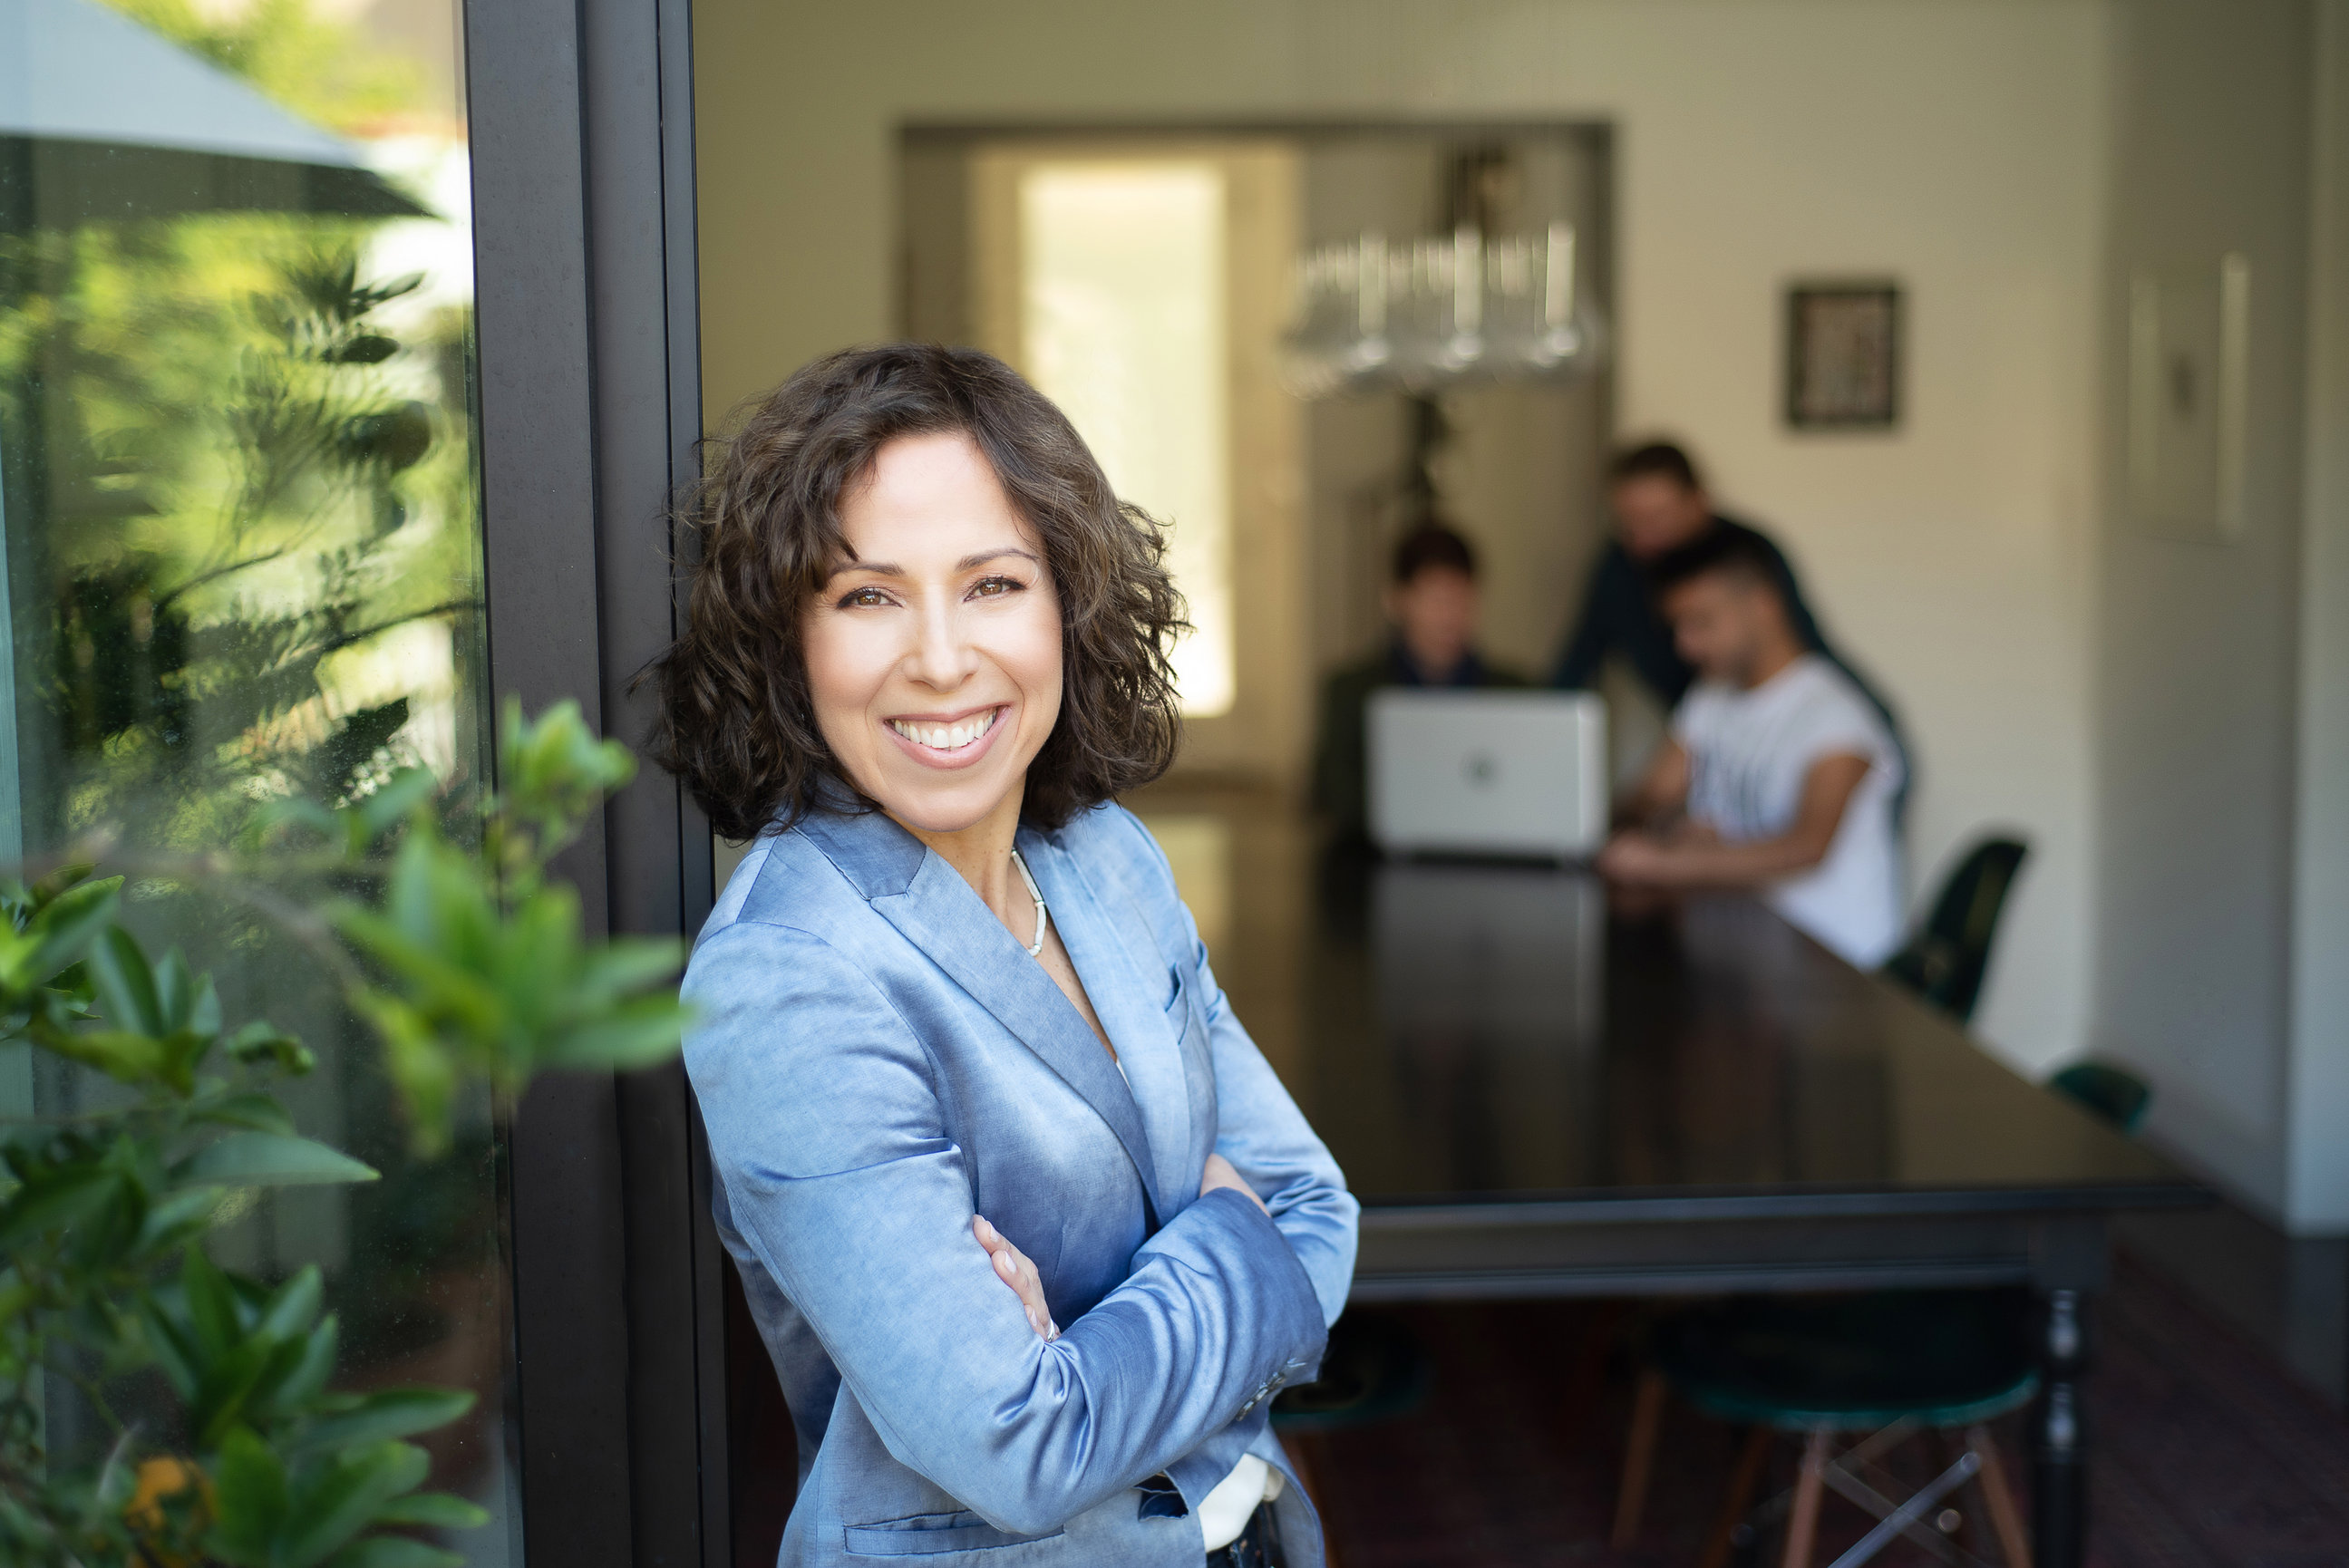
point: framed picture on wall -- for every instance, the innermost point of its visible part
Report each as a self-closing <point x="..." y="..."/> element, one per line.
<point x="1843" y="356"/>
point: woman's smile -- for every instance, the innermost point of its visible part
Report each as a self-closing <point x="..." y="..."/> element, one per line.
<point x="943" y="742"/>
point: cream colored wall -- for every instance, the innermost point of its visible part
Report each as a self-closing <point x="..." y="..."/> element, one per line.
<point x="1957" y="144"/>
<point x="2214" y="692"/>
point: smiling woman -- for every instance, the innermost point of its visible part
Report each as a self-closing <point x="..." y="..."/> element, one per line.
<point x="1030" y="1230"/>
<point x="934" y="653"/>
<point x="776" y="517"/>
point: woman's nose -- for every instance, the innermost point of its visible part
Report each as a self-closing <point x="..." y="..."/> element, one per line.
<point x="942" y="654"/>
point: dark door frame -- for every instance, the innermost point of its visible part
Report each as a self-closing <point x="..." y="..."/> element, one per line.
<point x="589" y="403"/>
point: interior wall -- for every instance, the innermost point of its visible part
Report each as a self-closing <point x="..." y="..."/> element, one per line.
<point x="1955" y="144"/>
<point x="2200" y="650"/>
<point x="2316" y="1180"/>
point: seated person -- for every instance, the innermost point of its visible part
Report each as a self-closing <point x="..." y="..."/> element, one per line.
<point x="1659" y="505"/>
<point x="1430" y="604"/>
<point x="1779" y="774"/>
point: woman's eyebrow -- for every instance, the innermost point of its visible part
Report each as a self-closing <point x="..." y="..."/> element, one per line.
<point x="890" y="569"/>
<point x="984" y="556"/>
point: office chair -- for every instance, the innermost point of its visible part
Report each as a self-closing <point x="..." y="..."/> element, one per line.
<point x="2115" y="1094"/>
<point x="1945" y="961"/>
<point x="1894" y="1365"/>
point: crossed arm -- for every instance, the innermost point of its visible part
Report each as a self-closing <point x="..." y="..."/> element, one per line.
<point x="1665" y="849"/>
<point x="844" y="1184"/>
<point x="1012" y="1267"/>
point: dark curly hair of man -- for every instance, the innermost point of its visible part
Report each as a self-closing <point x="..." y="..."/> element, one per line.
<point x="735" y="721"/>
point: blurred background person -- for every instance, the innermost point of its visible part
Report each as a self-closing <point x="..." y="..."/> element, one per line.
<point x="1432" y="610"/>
<point x="1659" y="505"/>
<point x="1779" y="774"/>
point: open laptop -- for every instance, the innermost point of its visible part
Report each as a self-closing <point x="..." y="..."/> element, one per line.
<point x="1500" y="773"/>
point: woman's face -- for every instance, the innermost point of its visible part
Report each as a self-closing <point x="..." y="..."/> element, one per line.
<point x="934" y="655"/>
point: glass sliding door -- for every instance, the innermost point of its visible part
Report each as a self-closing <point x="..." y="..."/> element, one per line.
<point x="240" y="535"/>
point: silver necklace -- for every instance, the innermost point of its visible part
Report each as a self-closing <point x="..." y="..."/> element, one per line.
<point x="1035" y="948"/>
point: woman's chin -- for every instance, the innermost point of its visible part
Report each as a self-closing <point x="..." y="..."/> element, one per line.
<point x="937" y="806"/>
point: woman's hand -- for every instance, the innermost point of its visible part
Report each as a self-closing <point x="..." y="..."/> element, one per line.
<point x="1220" y="1173"/>
<point x="1012" y="1267"/>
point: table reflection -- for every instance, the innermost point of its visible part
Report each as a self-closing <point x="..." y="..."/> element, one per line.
<point x="1487" y="994"/>
<point x="1507" y="1032"/>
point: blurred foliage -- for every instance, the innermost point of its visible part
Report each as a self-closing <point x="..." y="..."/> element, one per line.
<point x="319" y="66"/>
<point x="252" y="488"/>
<point x="243" y="562"/>
<point x="473" y="965"/>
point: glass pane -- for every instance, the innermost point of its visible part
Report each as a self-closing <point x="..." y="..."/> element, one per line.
<point x="241" y="556"/>
<point x="1121" y="301"/>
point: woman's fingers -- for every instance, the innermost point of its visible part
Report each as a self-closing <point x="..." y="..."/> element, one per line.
<point x="1220" y="1172"/>
<point x="1012" y="1267"/>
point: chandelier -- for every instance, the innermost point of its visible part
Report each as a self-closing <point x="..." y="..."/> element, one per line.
<point x="1430" y="313"/>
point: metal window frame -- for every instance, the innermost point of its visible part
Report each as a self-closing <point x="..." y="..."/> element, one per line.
<point x="589" y="398"/>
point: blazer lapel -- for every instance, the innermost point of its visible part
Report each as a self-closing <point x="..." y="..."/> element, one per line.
<point x="928" y="900"/>
<point x="1127" y="985"/>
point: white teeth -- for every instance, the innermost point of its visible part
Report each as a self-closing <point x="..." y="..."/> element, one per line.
<point x="947" y="737"/>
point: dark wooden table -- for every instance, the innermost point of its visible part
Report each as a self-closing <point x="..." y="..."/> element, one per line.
<point x="1536" y="1094"/>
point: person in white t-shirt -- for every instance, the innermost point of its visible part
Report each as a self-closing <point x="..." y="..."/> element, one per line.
<point x="1779" y="774"/>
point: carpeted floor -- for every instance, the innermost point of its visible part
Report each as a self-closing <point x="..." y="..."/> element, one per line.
<point x="2206" y="1455"/>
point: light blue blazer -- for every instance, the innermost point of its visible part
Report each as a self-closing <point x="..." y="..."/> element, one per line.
<point x="876" y="1059"/>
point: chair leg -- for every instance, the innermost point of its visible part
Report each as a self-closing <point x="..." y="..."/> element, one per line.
<point x="2006" y="1520"/>
<point x="1743" y="1482"/>
<point x="1945" y="1453"/>
<point x="1803" y="1528"/>
<point x="1639" y="1457"/>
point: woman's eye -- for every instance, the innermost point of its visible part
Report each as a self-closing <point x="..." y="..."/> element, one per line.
<point x="994" y="587"/>
<point x="863" y="598"/>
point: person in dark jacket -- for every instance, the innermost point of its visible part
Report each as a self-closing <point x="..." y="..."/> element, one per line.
<point x="1660" y="506"/>
<point x="1432" y="606"/>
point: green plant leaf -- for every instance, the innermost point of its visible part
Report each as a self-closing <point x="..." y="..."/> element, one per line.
<point x="62" y="929"/>
<point x="389" y="1413"/>
<point x="178" y="1213"/>
<point x="121" y="1055"/>
<point x="388" y="806"/>
<point x="254" y="1112"/>
<point x="175" y="995"/>
<point x="210" y="1303"/>
<point x="632" y="963"/>
<point x="249" y="1501"/>
<point x="420" y="1067"/>
<point x="270" y="1160"/>
<point x="637" y="1033"/>
<point x="306" y="1383"/>
<point x="126" y="983"/>
<point x="173" y="1344"/>
<point x="293" y="1308"/>
<point x="228" y="1382"/>
<point x="261" y="1040"/>
<point x="439" y="1509"/>
<point x="333" y="1502"/>
<point x="393" y="1551"/>
<point x="54" y="1201"/>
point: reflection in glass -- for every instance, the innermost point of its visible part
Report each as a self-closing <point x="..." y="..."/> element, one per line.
<point x="242" y="549"/>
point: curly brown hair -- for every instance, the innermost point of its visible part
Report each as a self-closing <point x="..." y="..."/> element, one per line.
<point x="735" y="722"/>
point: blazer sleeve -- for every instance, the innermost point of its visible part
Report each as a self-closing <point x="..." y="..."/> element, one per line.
<point x="1267" y="1140"/>
<point x="825" y="1125"/>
